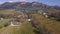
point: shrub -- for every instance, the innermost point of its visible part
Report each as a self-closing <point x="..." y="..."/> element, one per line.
<point x="1" y="26"/>
<point x="6" y="24"/>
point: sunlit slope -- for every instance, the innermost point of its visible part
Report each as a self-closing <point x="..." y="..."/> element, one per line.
<point x="24" y="28"/>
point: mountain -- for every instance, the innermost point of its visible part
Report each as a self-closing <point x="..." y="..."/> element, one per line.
<point x="13" y="5"/>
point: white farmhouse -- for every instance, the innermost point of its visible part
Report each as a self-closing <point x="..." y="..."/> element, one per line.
<point x="1" y="18"/>
<point x="29" y="19"/>
<point x="45" y="14"/>
<point x="11" y="24"/>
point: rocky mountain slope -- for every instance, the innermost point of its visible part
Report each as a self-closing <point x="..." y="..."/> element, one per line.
<point x="13" y="5"/>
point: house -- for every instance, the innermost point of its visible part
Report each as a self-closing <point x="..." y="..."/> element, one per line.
<point x="46" y="15"/>
<point x="12" y="24"/>
<point x="43" y="13"/>
<point x="1" y="18"/>
<point x="29" y="19"/>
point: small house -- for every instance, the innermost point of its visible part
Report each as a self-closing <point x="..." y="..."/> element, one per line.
<point x="1" y="18"/>
<point x="29" y="19"/>
<point x="46" y="15"/>
<point x="12" y="24"/>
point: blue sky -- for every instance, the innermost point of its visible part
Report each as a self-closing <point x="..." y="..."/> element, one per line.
<point x="49" y="2"/>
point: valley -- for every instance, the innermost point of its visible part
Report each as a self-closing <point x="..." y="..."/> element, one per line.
<point x="29" y="18"/>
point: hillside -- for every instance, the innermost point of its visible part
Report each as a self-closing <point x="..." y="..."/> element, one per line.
<point x="46" y="25"/>
<point x="29" y="18"/>
<point x="32" y="7"/>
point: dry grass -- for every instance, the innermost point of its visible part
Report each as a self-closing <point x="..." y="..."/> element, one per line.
<point x="52" y="25"/>
<point x="10" y="12"/>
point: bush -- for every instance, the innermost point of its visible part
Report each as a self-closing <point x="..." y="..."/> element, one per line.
<point x="5" y="25"/>
<point x="1" y="26"/>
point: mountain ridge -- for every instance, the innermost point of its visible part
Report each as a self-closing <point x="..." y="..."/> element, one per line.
<point x="8" y="5"/>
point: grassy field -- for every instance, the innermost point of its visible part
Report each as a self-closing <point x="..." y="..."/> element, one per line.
<point x="24" y="28"/>
<point x="4" y="21"/>
<point x="52" y="25"/>
<point x="27" y="28"/>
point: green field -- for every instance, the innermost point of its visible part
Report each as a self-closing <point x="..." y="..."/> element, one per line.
<point x="4" y="22"/>
<point x="27" y="29"/>
<point x="24" y="28"/>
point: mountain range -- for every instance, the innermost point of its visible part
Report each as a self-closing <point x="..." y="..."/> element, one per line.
<point x="13" y="5"/>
